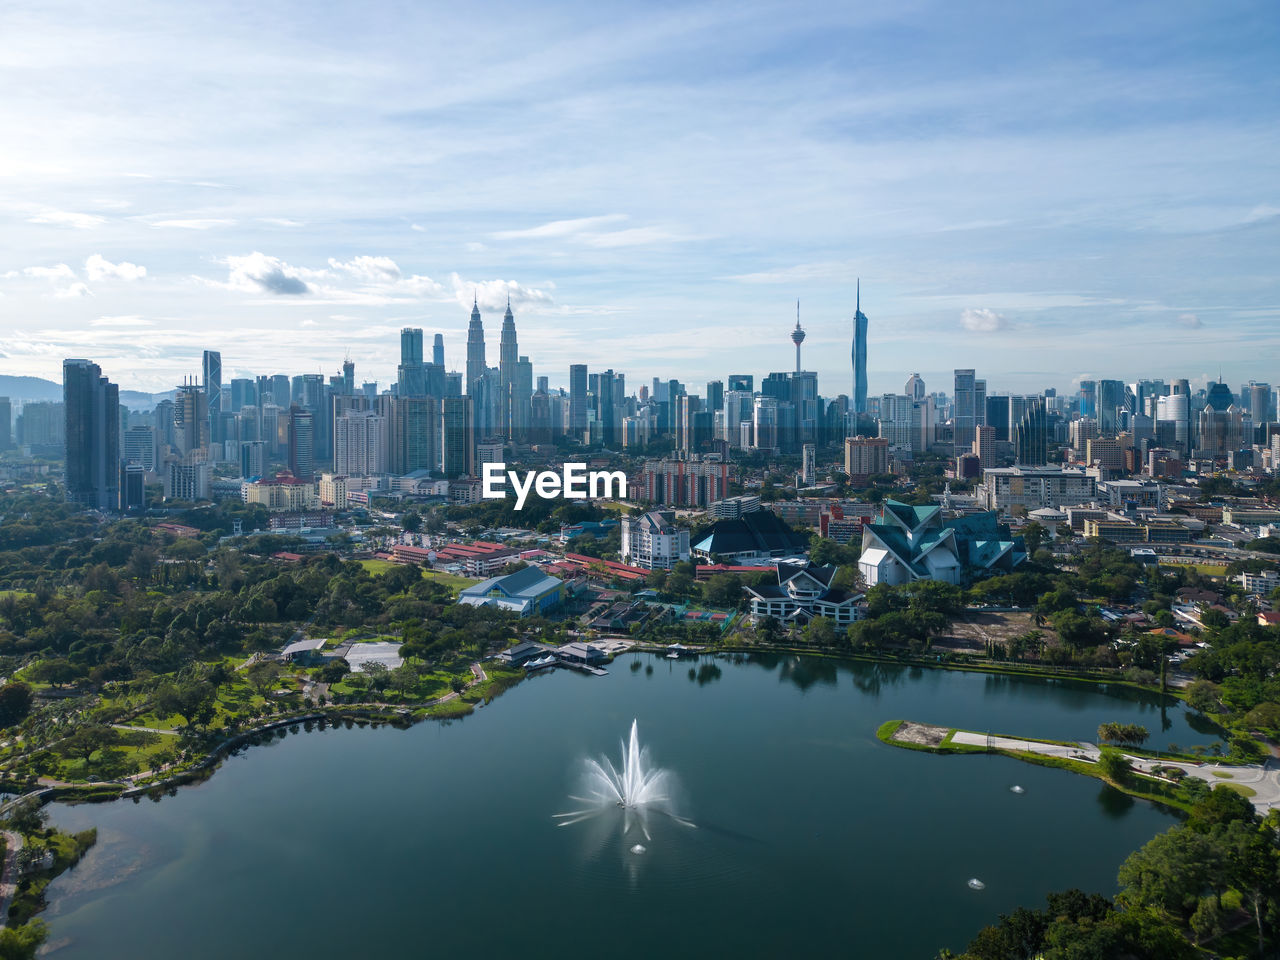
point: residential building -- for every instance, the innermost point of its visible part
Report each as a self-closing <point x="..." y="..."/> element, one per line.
<point x="92" y="406"/>
<point x="653" y="540"/>
<point x="865" y="457"/>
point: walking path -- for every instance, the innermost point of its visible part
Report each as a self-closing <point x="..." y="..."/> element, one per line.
<point x="1263" y="779"/>
<point x="9" y="873"/>
<point x="128" y="729"/>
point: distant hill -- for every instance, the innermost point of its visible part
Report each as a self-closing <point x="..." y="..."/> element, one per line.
<point x="34" y="389"/>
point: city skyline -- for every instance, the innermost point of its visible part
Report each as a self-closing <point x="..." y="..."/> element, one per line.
<point x="1021" y="194"/>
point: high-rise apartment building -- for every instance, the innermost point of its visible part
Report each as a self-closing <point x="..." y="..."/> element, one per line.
<point x="359" y="444"/>
<point x="865" y="457"/>
<point x="6" y="424"/>
<point x="302" y="443"/>
<point x="578" y="400"/>
<point x="457" y="437"/>
<point x="92" y="406"/>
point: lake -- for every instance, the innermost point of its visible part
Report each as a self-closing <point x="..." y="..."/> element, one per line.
<point x="810" y="836"/>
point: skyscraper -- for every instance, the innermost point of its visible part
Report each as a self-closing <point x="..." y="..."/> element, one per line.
<point x="437" y="350"/>
<point x="476" y="365"/>
<point x="964" y="418"/>
<point x="508" y="357"/>
<point x="1031" y="435"/>
<point x="859" y="355"/>
<point x="457" y="437"/>
<point x="6" y="424"/>
<point x="91" y="404"/>
<point x="348" y="377"/>
<point x="302" y="443"/>
<point x="213" y="391"/>
<point x="577" y="400"/>
<point x="412" y="374"/>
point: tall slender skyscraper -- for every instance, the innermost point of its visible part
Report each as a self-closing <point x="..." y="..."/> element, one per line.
<point x="508" y="357"/>
<point x="476" y="366"/>
<point x="577" y="400"/>
<point x="91" y="404"/>
<point x="213" y="391"/>
<point x="411" y="375"/>
<point x="859" y="354"/>
<point x="964" y="419"/>
<point x="437" y="351"/>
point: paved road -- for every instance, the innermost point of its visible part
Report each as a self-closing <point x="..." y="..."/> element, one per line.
<point x="128" y="729"/>
<point x="1263" y="779"/>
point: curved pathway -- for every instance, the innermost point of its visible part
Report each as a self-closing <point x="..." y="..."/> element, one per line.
<point x="1263" y="779"/>
<point x="9" y="873"/>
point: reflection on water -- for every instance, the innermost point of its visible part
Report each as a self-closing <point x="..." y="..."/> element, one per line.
<point x="1114" y="803"/>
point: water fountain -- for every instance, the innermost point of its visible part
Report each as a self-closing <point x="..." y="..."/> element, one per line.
<point x="976" y="884"/>
<point x="637" y="788"/>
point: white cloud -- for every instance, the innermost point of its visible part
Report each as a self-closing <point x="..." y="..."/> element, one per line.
<point x="982" y="320"/>
<point x="132" y="320"/>
<point x="196" y="224"/>
<point x="562" y="228"/>
<point x="257" y="272"/>
<point x="1190" y="321"/>
<point x="493" y="294"/>
<point x="98" y="267"/>
<point x="282" y="222"/>
<point x="72" y="291"/>
<point x="368" y="269"/>
<point x="67" y="218"/>
<point x="63" y="279"/>
<point x="634" y="237"/>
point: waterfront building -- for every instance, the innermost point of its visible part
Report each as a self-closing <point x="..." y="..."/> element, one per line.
<point x="526" y="592"/>
<point x="803" y="592"/>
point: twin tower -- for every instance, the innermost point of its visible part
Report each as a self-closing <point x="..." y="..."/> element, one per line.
<point x="501" y="396"/>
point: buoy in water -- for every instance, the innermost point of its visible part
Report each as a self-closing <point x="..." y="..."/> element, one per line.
<point x="1016" y="789"/>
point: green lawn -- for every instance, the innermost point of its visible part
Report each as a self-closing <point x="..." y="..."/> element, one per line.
<point x="452" y="581"/>
<point x="1239" y="788"/>
<point x="1208" y="569"/>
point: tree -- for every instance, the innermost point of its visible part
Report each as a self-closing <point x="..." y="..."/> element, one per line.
<point x="1129" y="734"/>
<point x="193" y="700"/>
<point x="1033" y="535"/>
<point x="1114" y="765"/>
<point x="88" y="740"/>
<point x="15" y="703"/>
<point x="264" y="675"/>
<point x="412" y="521"/>
<point x="820" y="632"/>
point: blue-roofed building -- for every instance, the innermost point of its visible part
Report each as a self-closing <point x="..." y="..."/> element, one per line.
<point x="526" y="592"/>
<point x="915" y="543"/>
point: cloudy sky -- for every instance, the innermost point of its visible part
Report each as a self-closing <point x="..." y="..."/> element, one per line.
<point x="1042" y="191"/>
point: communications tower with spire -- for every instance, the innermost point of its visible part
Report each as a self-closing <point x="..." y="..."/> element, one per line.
<point x="797" y="337"/>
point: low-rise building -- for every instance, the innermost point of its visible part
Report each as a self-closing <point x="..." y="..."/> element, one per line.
<point x="916" y="543"/>
<point x="1022" y="489"/>
<point x="803" y="592"/>
<point x="526" y="592"/>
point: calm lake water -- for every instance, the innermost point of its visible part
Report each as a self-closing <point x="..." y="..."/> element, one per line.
<point x="811" y="837"/>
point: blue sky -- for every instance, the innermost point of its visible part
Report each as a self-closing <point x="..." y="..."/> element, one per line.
<point x="1043" y="191"/>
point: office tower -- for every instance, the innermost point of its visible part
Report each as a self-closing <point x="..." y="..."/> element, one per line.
<point x="999" y="415"/>
<point x="281" y="391"/>
<point x="1219" y="396"/>
<point x="91" y="404"/>
<point x="859" y="355"/>
<point x="1089" y="399"/>
<point x="915" y="387"/>
<point x="370" y="389"/>
<point x="191" y="420"/>
<point x="453" y="383"/>
<point x="964" y="419"/>
<point x="348" y="377"/>
<point x="6" y="424"/>
<point x="1258" y="402"/>
<point x="897" y="420"/>
<point x="765" y="423"/>
<point x="437" y="350"/>
<point x="1031" y="435"/>
<point x="1111" y="400"/>
<point x="715" y="395"/>
<point x="253" y="458"/>
<point x="476" y="365"/>
<point x="302" y="443"/>
<point x="740" y="381"/>
<point x="797" y="337"/>
<point x="540" y="424"/>
<point x="141" y="447"/>
<point x="804" y="394"/>
<point x="604" y="406"/>
<point x="457" y="437"/>
<point x="133" y="487"/>
<point x="1223" y="431"/>
<point x="522" y="399"/>
<point x="737" y="411"/>
<point x="508" y="357"/>
<point x="212" y="367"/>
<point x="244" y="393"/>
<point x="411" y="377"/>
<point x="413" y="427"/>
<point x="979" y="402"/>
